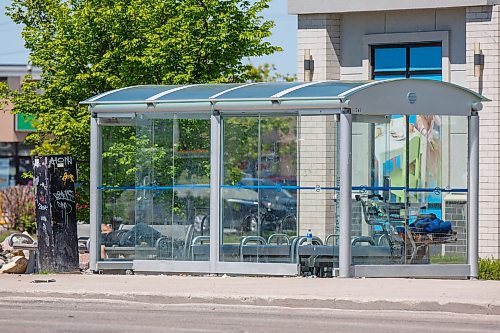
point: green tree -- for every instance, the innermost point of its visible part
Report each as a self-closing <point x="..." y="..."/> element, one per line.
<point x="86" y="47"/>
<point x="265" y="73"/>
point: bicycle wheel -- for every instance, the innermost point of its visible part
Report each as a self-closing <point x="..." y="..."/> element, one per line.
<point x="288" y="224"/>
<point x="384" y="240"/>
<point x="250" y="223"/>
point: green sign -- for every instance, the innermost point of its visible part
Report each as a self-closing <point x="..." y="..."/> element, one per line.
<point x="24" y="123"/>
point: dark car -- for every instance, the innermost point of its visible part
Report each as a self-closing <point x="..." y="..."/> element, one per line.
<point x="278" y="206"/>
<point x="238" y="205"/>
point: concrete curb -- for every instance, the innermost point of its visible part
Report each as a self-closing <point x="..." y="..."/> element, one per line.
<point x="327" y="303"/>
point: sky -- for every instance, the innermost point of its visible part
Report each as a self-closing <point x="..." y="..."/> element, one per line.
<point x="12" y="49"/>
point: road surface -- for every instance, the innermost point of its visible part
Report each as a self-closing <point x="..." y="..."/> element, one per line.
<point x="29" y="314"/>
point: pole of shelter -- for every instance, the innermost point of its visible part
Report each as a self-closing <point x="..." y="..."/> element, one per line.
<point x="473" y="195"/>
<point x="345" y="165"/>
<point x="95" y="195"/>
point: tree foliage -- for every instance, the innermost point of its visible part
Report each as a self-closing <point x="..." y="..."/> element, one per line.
<point x="86" y="47"/>
<point x="265" y="73"/>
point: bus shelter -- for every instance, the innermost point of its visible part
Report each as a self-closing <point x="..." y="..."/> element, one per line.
<point x="331" y="178"/>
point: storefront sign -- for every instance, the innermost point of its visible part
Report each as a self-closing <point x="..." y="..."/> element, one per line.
<point x="24" y="123"/>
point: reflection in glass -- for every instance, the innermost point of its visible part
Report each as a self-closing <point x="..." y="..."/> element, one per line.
<point x="407" y="61"/>
<point x="425" y="58"/>
<point x="172" y="178"/>
<point x="259" y="188"/>
<point x="390" y="59"/>
<point x="435" y="77"/>
<point x="155" y="188"/>
<point x="379" y="77"/>
<point x="117" y="190"/>
<point x="7" y="172"/>
<point x="405" y="205"/>
<point x="7" y="149"/>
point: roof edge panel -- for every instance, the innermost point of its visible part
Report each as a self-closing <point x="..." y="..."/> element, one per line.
<point x="372" y="83"/>
<point x="412" y="97"/>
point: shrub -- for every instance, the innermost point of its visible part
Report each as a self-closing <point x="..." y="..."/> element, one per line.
<point x="489" y="269"/>
<point x="18" y="208"/>
<point x="4" y="234"/>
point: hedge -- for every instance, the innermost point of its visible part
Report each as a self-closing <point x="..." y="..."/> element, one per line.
<point x="489" y="269"/>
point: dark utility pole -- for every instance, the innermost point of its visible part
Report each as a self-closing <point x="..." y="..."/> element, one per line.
<point x="54" y="181"/>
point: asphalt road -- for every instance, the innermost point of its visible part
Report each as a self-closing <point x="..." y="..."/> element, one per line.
<point x="23" y="314"/>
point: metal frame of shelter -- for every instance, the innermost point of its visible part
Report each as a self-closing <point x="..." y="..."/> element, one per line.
<point x="351" y="101"/>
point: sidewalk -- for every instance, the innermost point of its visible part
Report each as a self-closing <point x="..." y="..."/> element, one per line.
<point x="460" y="296"/>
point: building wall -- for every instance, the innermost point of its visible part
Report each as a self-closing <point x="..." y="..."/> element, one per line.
<point x="14" y="76"/>
<point x="7" y="130"/>
<point x="483" y="26"/>
<point x="317" y="137"/>
<point x="321" y="35"/>
<point x="339" y="45"/>
<point x="14" y="154"/>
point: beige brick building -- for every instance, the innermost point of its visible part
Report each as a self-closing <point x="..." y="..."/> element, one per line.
<point x="342" y="36"/>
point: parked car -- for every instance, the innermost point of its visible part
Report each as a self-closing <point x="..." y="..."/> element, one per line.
<point x="238" y="204"/>
<point x="279" y="201"/>
<point x="278" y="206"/>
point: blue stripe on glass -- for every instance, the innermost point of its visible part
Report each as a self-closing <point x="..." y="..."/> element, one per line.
<point x="277" y="187"/>
<point x="159" y="188"/>
<point x="410" y="189"/>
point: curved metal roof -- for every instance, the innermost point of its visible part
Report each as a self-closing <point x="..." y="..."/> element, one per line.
<point x="364" y="96"/>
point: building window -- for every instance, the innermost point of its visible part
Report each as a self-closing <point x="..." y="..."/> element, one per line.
<point x="407" y="61"/>
<point x="14" y="161"/>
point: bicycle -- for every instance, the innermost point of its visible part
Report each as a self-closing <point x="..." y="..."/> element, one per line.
<point x="379" y="217"/>
<point x="267" y="219"/>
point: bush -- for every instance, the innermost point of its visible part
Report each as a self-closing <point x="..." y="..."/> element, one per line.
<point x="489" y="269"/>
<point x="4" y="234"/>
<point x="18" y="208"/>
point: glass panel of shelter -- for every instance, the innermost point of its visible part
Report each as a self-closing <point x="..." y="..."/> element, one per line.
<point x="437" y="204"/>
<point x="117" y="189"/>
<point x="278" y="185"/>
<point x="413" y="210"/>
<point x="173" y="192"/>
<point x="259" y="192"/>
<point x="155" y="188"/>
